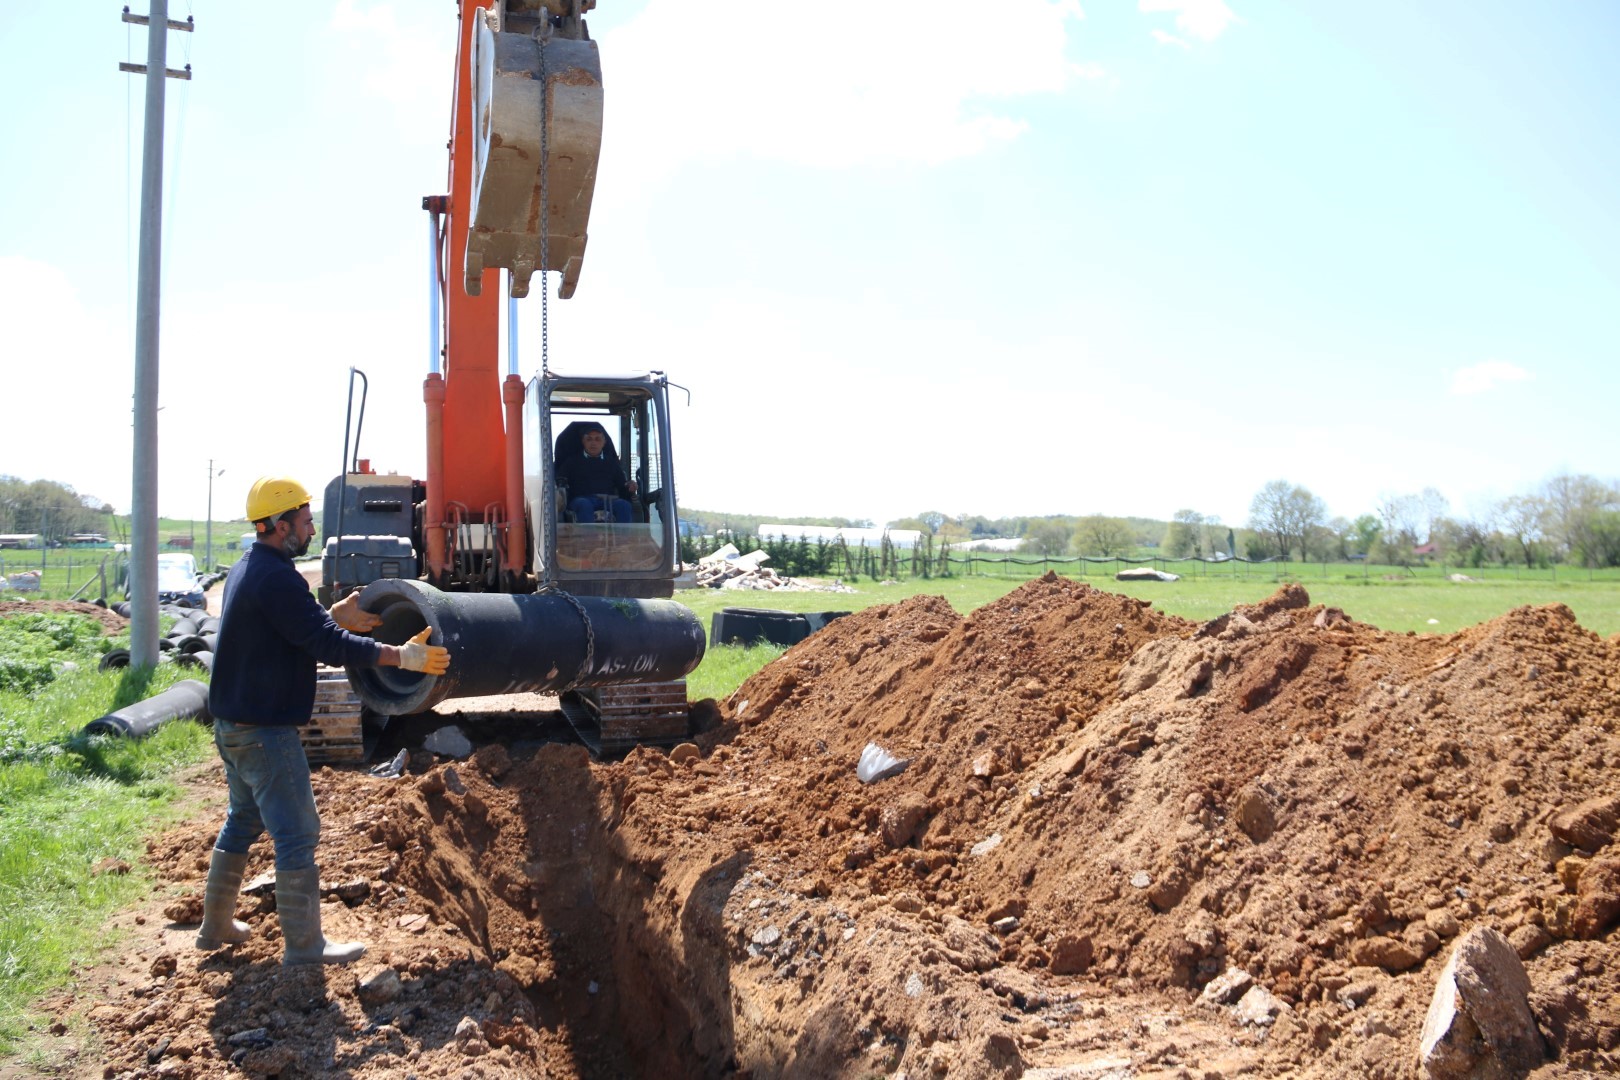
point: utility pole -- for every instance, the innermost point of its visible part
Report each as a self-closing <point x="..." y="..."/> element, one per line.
<point x="208" y="562"/>
<point x="143" y="623"/>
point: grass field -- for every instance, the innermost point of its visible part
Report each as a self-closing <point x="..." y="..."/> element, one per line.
<point x="67" y="803"/>
<point x="1391" y="605"/>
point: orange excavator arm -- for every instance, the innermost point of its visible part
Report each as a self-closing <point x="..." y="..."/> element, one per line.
<point x="526" y="132"/>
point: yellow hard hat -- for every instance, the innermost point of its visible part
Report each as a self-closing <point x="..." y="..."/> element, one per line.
<point x="272" y="495"/>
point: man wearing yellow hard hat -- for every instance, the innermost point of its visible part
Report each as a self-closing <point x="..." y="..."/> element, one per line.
<point x="262" y="690"/>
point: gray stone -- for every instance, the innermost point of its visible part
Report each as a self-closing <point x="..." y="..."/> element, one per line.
<point x="1479" y="1021"/>
<point x="448" y="742"/>
<point x="1257" y="1008"/>
<point x="1226" y="988"/>
<point x="383" y="987"/>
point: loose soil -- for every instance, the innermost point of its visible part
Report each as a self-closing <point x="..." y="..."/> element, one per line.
<point x="1104" y="809"/>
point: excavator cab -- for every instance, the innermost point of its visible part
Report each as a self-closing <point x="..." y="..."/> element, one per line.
<point x="593" y="552"/>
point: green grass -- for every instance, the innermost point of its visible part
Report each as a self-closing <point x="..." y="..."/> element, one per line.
<point x="726" y="667"/>
<point x="66" y="803"/>
<point x="1399" y="605"/>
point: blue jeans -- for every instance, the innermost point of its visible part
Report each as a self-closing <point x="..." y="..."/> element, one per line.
<point x="585" y="508"/>
<point x="268" y="778"/>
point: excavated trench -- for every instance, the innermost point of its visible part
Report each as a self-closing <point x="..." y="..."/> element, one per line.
<point x="530" y="874"/>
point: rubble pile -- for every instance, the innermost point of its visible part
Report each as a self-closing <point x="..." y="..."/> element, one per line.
<point x="729" y="569"/>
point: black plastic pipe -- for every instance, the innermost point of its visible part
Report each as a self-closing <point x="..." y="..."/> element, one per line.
<point x="536" y="643"/>
<point x="181" y="701"/>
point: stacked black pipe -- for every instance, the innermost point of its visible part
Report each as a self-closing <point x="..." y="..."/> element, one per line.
<point x="189" y="642"/>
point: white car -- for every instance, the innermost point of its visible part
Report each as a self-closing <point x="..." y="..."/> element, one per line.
<point x="177" y="580"/>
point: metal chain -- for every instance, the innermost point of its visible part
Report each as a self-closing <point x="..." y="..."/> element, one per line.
<point x="548" y="486"/>
<point x="590" y="636"/>
<point x="545" y="204"/>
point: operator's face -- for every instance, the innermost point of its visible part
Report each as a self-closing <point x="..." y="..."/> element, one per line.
<point x="594" y="441"/>
<point x="300" y="531"/>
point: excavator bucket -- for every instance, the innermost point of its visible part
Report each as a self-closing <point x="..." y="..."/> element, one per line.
<point x="537" y="104"/>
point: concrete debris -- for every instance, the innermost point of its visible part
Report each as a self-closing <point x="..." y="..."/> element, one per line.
<point x="726" y="568"/>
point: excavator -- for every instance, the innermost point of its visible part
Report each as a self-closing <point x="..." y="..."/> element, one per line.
<point x="531" y="586"/>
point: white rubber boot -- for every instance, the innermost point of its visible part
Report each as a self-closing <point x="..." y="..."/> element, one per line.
<point x="298" y="903"/>
<point x="219" y="924"/>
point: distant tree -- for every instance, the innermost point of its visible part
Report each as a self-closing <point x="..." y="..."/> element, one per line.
<point x="1046" y="537"/>
<point x="1434" y="506"/>
<point x="52" y="509"/>
<point x="1401" y="521"/>
<point x="1600" y="546"/>
<point x="1365" y="531"/>
<point x="1184" y="536"/>
<point x="929" y="522"/>
<point x="1108" y="537"/>
<point x="1522" y="519"/>
<point x="1284" y="515"/>
<point x="1572" y="504"/>
<point x="1337" y="544"/>
<point x="1321" y="544"/>
<point x="1469" y="541"/>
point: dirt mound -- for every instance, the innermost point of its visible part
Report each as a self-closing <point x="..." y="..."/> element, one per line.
<point x="111" y="622"/>
<point x="1107" y="817"/>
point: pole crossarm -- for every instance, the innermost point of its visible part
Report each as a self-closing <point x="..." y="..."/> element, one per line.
<point x="174" y="24"/>
<point x="140" y="69"/>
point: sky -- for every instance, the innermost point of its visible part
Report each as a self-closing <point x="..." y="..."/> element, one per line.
<point x="1045" y="257"/>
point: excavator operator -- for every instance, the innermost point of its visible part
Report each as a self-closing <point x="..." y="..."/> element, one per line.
<point x="588" y="468"/>
<point x="271" y="633"/>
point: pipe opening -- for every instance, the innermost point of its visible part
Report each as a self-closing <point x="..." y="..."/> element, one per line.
<point x="401" y="620"/>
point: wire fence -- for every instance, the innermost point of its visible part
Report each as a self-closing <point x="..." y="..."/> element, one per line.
<point x="885" y="560"/>
<point x="973" y="563"/>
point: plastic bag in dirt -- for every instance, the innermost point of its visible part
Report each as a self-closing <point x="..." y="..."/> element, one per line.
<point x="390" y="770"/>
<point x="878" y="764"/>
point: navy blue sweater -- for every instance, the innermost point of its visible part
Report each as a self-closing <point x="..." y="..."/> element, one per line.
<point x="585" y="477"/>
<point x="271" y="633"/>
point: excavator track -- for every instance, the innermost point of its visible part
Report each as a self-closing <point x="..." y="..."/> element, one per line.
<point x="614" y="719"/>
<point x="333" y="734"/>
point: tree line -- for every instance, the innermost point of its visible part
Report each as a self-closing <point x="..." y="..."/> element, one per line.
<point x="54" y="511"/>
<point x="1572" y="519"/>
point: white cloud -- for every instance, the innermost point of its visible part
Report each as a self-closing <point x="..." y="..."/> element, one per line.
<point x="1205" y="20"/>
<point x="1485" y="377"/>
<point x="906" y="83"/>
<point x="409" y="65"/>
<point x="1164" y="37"/>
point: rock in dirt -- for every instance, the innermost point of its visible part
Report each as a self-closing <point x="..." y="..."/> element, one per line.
<point x="1589" y="826"/>
<point x="1226" y="988"/>
<point x="1597" y="904"/>
<point x="449" y="742"/>
<point x="1480" y="1018"/>
<point x="381" y="988"/>
<point x="899" y="821"/>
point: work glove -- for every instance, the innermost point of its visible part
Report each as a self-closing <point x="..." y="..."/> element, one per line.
<point x="417" y="655"/>
<point x="348" y="614"/>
